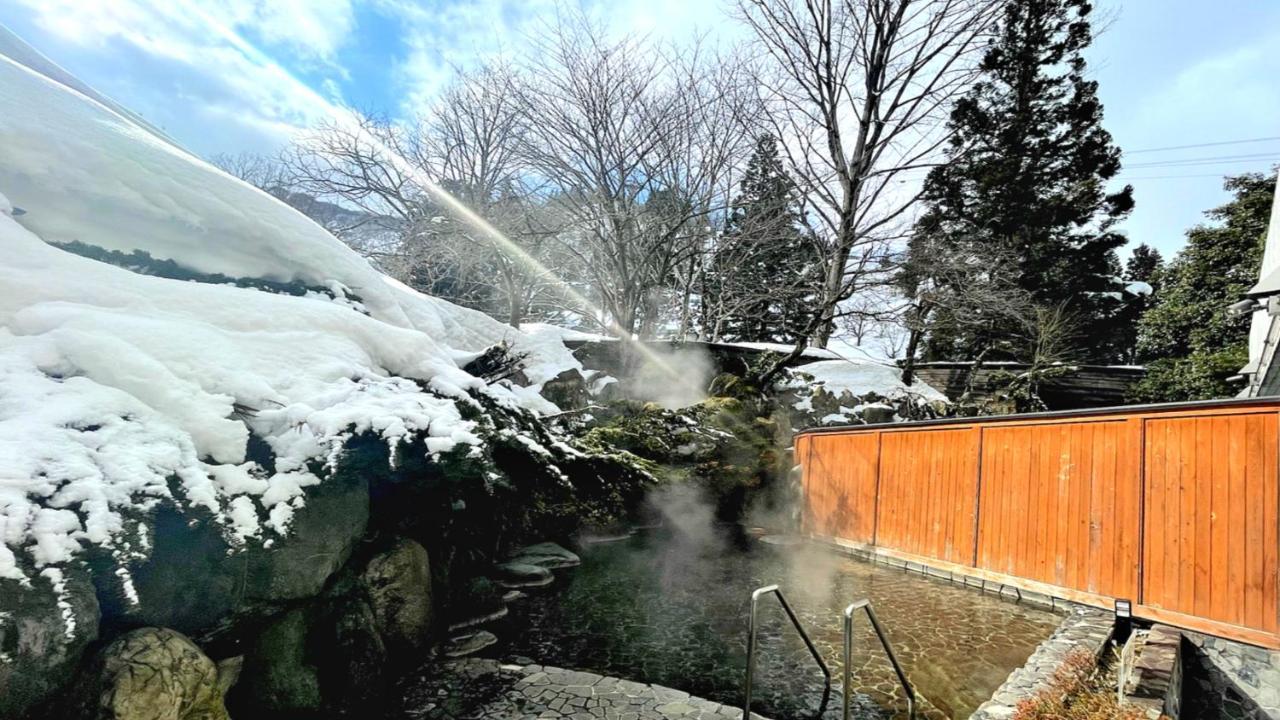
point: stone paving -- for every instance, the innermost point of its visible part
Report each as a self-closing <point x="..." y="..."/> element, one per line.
<point x="1085" y="627"/>
<point x="481" y="688"/>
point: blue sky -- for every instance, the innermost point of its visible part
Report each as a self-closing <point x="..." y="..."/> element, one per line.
<point x="1171" y="72"/>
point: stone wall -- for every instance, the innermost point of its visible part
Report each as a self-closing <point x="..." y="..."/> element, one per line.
<point x="1151" y="671"/>
<point x="1242" y="680"/>
<point x="1085" y="627"/>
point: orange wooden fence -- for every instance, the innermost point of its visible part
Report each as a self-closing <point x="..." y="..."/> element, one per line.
<point x="1173" y="507"/>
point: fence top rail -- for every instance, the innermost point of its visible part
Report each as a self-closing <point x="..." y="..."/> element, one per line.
<point x="1147" y="409"/>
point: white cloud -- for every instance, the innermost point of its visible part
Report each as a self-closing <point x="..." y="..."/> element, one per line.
<point x="187" y="62"/>
<point x="441" y="37"/>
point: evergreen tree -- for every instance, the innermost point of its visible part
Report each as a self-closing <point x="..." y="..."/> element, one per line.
<point x="1190" y="342"/>
<point x="1025" y="177"/>
<point x="763" y="273"/>
<point x="1143" y="266"/>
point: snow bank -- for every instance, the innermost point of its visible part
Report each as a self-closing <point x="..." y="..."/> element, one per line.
<point x="862" y="378"/>
<point x="113" y="383"/>
<point x="84" y="173"/>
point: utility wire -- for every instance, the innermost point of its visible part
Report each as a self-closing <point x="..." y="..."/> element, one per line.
<point x="1200" y="145"/>
<point x="1212" y="160"/>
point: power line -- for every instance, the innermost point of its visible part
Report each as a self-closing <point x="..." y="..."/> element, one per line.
<point x="1209" y="160"/>
<point x="1200" y="145"/>
<point x="1122" y="176"/>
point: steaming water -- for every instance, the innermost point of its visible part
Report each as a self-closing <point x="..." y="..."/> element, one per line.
<point x="669" y="608"/>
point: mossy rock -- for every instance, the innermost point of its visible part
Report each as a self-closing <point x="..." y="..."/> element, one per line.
<point x="156" y="674"/>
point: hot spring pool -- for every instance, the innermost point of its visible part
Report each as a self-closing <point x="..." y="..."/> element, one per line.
<point x="663" y="607"/>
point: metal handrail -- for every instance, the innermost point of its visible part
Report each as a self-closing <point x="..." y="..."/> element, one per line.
<point x="751" y="647"/>
<point x="888" y="650"/>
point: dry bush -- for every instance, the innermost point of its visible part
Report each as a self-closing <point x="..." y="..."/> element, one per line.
<point x="1072" y="694"/>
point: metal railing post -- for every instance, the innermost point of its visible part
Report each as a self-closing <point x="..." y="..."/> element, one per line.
<point x="888" y="651"/>
<point x="753" y="626"/>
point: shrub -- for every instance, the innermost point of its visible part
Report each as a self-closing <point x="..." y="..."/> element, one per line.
<point x="1072" y="694"/>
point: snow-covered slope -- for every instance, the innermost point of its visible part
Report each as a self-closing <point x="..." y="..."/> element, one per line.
<point x="112" y="382"/>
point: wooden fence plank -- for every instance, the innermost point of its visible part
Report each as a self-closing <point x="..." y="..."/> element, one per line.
<point x="1177" y="509"/>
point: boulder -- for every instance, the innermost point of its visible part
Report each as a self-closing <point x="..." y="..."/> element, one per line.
<point x="397" y="583"/>
<point x="156" y="674"/>
<point x="196" y="583"/>
<point x="520" y="575"/>
<point x="568" y="390"/>
<point x="43" y="634"/>
<point x="547" y="554"/>
<point x="351" y="659"/>
<point x="278" y="681"/>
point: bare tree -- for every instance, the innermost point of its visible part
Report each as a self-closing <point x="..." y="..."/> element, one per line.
<point x="261" y="171"/>
<point x="636" y="145"/>
<point x="858" y="91"/>
<point x="464" y="144"/>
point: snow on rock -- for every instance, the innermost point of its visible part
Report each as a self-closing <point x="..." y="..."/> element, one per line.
<point x="114" y="383"/>
<point x="863" y="378"/>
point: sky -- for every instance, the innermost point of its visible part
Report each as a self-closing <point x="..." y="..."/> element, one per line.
<point x="244" y="75"/>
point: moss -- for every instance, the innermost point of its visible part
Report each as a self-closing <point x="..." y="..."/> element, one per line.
<point x="721" y="444"/>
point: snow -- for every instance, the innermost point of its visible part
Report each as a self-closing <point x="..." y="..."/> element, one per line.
<point x="1137" y="287"/>
<point x="784" y="348"/>
<point x="862" y="378"/>
<point x="563" y="333"/>
<point x="112" y="383"/>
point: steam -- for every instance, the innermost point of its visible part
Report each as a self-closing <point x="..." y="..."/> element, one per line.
<point x="690" y="516"/>
<point x="652" y="380"/>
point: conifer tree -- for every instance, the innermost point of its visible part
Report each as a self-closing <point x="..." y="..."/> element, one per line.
<point x="763" y="271"/>
<point x="1025" y="177"/>
<point x="1189" y="340"/>
<point x="1143" y="266"/>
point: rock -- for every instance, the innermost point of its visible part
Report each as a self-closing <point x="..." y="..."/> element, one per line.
<point x="547" y="554"/>
<point x="156" y="674"/>
<point x="568" y="390"/>
<point x="196" y="583"/>
<point x="351" y="659"/>
<point x="468" y="644"/>
<point x="521" y="575"/>
<point x="278" y="680"/>
<point x="397" y="582"/>
<point x="39" y="646"/>
<point x="487" y="617"/>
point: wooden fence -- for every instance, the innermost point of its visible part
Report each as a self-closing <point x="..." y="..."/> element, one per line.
<point x="1173" y="507"/>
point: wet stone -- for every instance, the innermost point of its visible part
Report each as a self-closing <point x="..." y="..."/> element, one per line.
<point x="468" y="644"/>
<point x="481" y="688"/>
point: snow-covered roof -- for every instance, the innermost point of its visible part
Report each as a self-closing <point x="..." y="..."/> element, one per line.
<point x="112" y="382"/>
